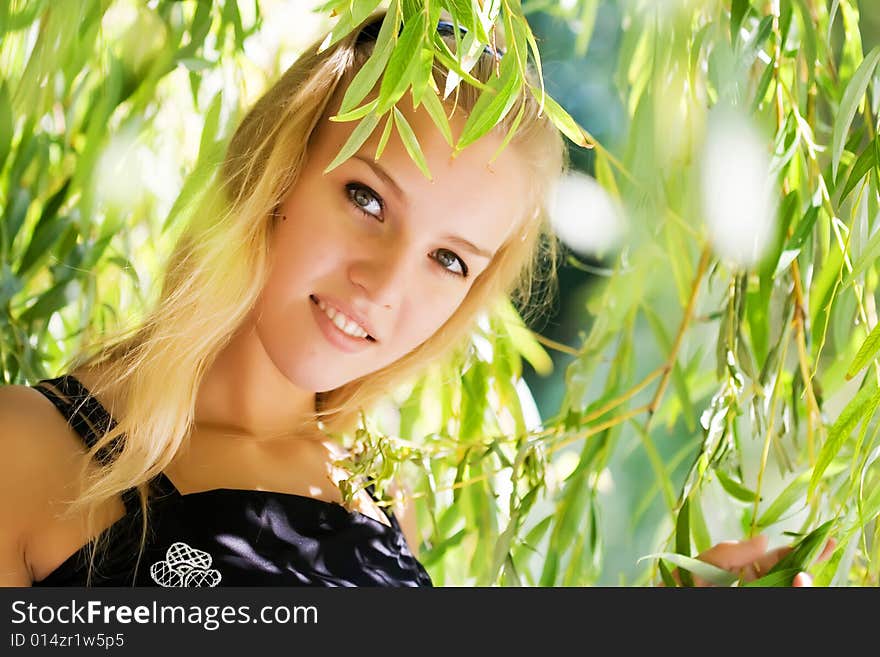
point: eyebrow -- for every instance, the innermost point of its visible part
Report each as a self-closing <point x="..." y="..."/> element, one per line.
<point x="384" y="175"/>
<point x="470" y="246"/>
<point x="388" y="180"/>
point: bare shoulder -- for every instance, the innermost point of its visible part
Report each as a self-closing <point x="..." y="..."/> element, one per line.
<point x="39" y="469"/>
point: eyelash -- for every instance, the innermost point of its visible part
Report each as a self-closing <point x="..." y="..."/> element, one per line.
<point x="353" y="187"/>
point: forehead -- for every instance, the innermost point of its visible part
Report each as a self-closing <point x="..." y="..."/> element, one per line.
<point x="466" y="194"/>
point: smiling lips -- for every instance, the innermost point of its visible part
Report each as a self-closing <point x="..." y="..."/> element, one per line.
<point x="341" y="321"/>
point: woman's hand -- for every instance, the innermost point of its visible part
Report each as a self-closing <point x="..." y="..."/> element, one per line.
<point x="750" y="559"/>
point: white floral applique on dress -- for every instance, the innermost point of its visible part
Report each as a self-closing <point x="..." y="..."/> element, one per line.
<point x="185" y="566"/>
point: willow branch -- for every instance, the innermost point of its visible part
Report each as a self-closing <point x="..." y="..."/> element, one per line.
<point x="676" y="345"/>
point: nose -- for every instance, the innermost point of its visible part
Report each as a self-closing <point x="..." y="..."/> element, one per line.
<point x="381" y="272"/>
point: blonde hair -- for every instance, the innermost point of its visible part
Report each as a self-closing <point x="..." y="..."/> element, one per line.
<point x="216" y="272"/>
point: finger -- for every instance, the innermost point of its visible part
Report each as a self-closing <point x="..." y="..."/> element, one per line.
<point x="828" y="550"/>
<point x="762" y="565"/>
<point x="802" y="579"/>
<point x="736" y="555"/>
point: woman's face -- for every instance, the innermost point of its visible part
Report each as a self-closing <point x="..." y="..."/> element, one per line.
<point x="376" y="241"/>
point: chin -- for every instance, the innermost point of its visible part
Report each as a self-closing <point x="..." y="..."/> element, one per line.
<point x="314" y="379"/>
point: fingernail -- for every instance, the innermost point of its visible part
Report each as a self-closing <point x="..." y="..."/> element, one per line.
<point x="802" y="580"/>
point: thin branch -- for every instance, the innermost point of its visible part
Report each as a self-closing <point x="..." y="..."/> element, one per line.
<point x="676" y="345"/>
<point x="557" y="346"/>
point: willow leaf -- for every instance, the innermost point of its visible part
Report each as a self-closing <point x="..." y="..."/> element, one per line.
<point x="860" y="408"/>
<point x="492" y="105"/>
<point x="706" y="571"/>
<point x="778" y="578"/>
<point x="6" y="122"/>
<point x="734" y="488"/>
<point x="699" y="529"/>
<point x="357" y="138"/>
<point x="402" y="65"/>
<point x="866" y="352"/>
<point x="738" y="10"/>
<point x="386" y="133"/>
<point x="805" y="550"/>
<point x="430" y="556"/>
<point x="683" y="538"/>
<point x="356" y="113"/>
<point x="411" y="143"/>
<point x="354" y="16"/>
<point x="431" y="102"/>
<point x="860" y="169"/>
<point x="564" y="121"/>
<point x="868" y="258"/>
<point x="852" y="98"/>
<point x="369" y="73"/>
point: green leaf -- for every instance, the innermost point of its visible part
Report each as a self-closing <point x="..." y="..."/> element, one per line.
<point x="738" y="10"/>
<point x="562" y="120"/>
<point x="778" y="578"/>
<point x="763" y="85"/>
<point x="58" y="296"/>
<point x="411" y="142"/>
<point x="866" y="352"/>
<point x="860" y="408"/>
<point x="15" y="214"/>
<point x="868" y="258"/>
<point x="354" y="16"/>
<point x="706" y="571"/>
<point x="786" y="499"/>
<point x="734" y="488"/>
<point x="804" y="229"/>
<point x="860" y="169"/>
<point x="683" y="539"/>
<point x="668" y="580"/>
<point x="586" y="23"/>
<point x="369" y="73"/>
<point x="852" y="97"/>
<point x="356" y="113"/>
<point x="492" y="106"/>
<point x="402" y="65"/>
<point x="523" y="339"/>
<point x="699" y="530"/>
<point x="357" y="138"/>
<point x="431" y="102"/>
<point x="6" y="123"/>
<point x="432" y="555"/>
<point x="386" y="133"/>
<point x="210" y="127"/>
<point x="510" y="132"/>
<point x="765" y="29"/>
<point x="423" y="79"/>
<point x="47" y="231"/>
<point x="10" y="285"/>
<point x="536" y="533"/>
<point x="805" y="551"/>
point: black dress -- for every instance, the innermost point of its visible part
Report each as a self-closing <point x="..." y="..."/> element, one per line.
<point x="230" y="537"/>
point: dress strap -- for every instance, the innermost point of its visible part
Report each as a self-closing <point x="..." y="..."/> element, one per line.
<point x="88" y="418"/>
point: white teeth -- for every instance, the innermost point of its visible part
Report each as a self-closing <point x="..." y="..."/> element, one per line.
<point x="343" y="323"/>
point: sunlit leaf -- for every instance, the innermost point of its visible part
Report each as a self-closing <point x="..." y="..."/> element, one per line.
<point x="410" y="142"/>
<point x="703" y="570"/>
<point x="850" y="102"/>
<point x="357" y="138"/>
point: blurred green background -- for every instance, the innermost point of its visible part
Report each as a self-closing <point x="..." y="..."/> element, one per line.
<point x="672" y="380"/>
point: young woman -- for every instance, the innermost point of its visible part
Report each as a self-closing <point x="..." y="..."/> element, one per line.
<point x="194" y="449"/>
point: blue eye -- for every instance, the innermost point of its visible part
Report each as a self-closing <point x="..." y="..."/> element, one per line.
<point x="448" y="259"/>
<point x="365" y="200"/>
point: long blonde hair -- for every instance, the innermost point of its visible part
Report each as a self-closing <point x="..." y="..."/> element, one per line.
<point x="216" y="271"/>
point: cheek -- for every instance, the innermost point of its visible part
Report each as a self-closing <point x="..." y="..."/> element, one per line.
<point x="426" y="313"/>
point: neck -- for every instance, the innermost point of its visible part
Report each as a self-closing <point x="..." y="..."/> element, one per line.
<point x="244" y="395"/>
